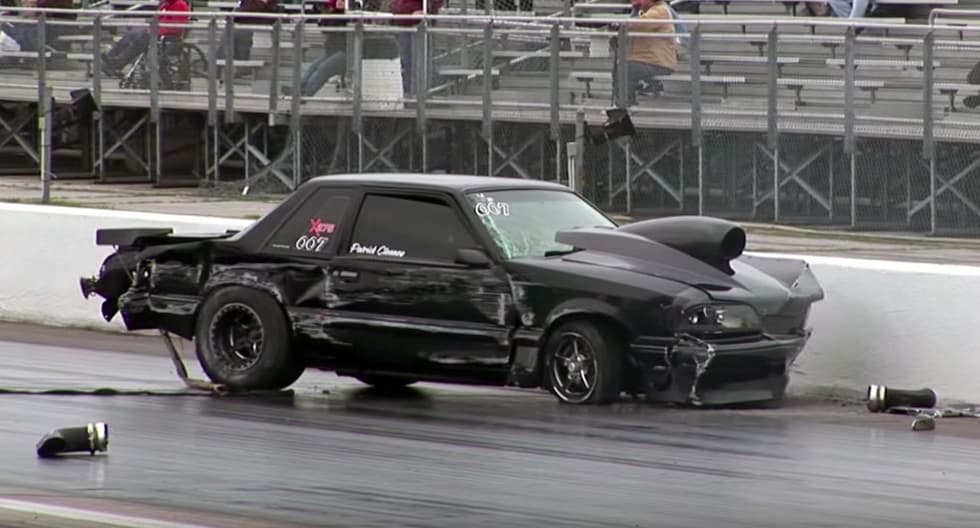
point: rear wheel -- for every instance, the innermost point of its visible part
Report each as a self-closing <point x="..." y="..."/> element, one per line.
<point x="583" y="363"/>
<point x="243" y="341"/>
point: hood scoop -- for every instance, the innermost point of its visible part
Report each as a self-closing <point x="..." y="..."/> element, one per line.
<point x="624" y="250"/>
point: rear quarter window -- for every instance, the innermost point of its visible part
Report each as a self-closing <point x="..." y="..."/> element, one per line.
<point x="314" y="227"/>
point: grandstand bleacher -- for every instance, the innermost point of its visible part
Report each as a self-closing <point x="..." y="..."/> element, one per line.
<point x="515" y="115"/>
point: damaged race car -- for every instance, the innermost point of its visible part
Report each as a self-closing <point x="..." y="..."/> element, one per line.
<point x="399" y="278"/>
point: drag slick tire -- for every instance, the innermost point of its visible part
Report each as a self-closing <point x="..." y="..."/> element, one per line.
<point x="243" y="341"/>
<point x="583" y="363"/>
<point x="385" y="382"/>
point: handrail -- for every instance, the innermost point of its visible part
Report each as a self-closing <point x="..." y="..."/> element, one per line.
<point x="933" y="14"/>
<point x="524" y="20"/>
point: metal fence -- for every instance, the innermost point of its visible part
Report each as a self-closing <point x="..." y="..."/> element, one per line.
<point x="856" y="124"/>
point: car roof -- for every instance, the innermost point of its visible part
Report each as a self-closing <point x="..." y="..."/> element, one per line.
<point x="448" y="182"/>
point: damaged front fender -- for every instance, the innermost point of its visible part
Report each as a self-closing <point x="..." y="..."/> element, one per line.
<point x="689" y="370"/>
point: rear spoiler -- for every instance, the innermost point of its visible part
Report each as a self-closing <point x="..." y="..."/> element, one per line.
<point x="131" y="236"/>
<point x="127" y="236"/>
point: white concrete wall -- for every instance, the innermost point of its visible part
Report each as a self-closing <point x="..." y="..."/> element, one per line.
<point x="901" y="324"/>
<point x="46" y="249"/>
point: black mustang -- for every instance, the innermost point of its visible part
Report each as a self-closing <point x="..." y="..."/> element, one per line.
<point x="395" y="279"/>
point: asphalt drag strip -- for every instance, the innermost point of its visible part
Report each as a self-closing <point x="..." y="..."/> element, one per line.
<point x="335" y="453"/>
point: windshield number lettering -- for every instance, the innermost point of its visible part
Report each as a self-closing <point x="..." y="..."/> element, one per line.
<point x="492" y="208"/>
<point x="311" y="243"/>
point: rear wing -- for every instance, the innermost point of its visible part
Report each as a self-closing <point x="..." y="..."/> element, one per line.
<point x="149" y="236"/>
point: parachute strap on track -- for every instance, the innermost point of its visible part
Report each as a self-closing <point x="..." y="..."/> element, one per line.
<point x="192" y="383"/>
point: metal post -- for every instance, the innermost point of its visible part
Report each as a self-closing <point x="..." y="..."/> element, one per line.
<point x="680" y="172"/>
<point x="775" y="183"/>
<point x="487" y="128"/>
<point x="274" y="81"/>
<point x="295" y="118"/>
<point x="580" y="172"/>
<point x="357" y="125"/>
<point x="229" y="73"/>
<point x="853" y="189"/>
<point x="849" y="50"/>
<point x="695" y="62"/>
<point x="700" y="180"/>
<point x="421" y="90"/>
<point x="44" y="95"/>
<point x="553" y="68"/>
<point x="213" y="101"/>
<point x="152" y="126"/>
<point x="622" y="91"/>
<point x="572" y="161"/>
<point x="830" y="181"/>
<point x="99" y="113"/>
<point x="932" y="196"/>
<point x="44" y="134"/>
<point x="928" y="140"/>
<point x="629" y="178"/>
<point x="772" y="73"/>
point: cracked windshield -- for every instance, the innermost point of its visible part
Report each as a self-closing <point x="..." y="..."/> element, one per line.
<point x="523" y="223"/>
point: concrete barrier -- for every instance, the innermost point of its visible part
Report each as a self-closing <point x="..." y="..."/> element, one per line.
<point x="901" y="324"/>
<point x="46" y="249"/>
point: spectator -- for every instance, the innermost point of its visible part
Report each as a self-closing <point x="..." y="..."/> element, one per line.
<point x="25" y="34"/>
<point x="132" y="44"/>
<point x="243" y="36"/>
<point x="333" y="61"/>
<point x="849" y="8"/>
<point x="973" y="77"/>
<point x="405" y="40"/>
<point x="650" y="57"/>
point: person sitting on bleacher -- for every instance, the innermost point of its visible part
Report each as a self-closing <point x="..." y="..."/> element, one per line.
<point x="333" y="60"/>
<point x="650" y="57"/>
<point x="25" y="33"/>
<point x="243" y="36"/>
<point x="849" y="8"/>
<point x="132" y="44"/>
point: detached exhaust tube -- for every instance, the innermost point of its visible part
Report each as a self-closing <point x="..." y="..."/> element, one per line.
<point x="91" y="437"/>
<point x="881" y="398"/>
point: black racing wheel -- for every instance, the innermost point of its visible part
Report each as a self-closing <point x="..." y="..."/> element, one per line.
<point x="583" y="363"/>
<point x="243" y="341"/>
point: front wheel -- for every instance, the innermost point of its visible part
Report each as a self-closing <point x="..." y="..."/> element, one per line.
<point x="243" y="341"/>
<point x="583" y="364"/>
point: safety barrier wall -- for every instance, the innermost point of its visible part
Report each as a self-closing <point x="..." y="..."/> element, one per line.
<point x="895" y="323"/>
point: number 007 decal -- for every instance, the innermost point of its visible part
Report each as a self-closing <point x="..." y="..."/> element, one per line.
<point x="311" y="243"/>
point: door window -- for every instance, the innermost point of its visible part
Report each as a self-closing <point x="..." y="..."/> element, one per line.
<point x="399" y="227"/>
<point x="315" y="225"/>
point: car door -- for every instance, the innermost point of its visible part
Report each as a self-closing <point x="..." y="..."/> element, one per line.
<point x="414" y="308"/>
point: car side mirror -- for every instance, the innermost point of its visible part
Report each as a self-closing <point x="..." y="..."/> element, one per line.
<point x="473" y="258"/>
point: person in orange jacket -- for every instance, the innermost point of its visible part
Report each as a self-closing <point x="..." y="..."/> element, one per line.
<point x="137" y="41"/>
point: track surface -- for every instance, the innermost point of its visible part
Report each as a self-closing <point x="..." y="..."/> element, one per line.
<point x="449" y="456"/>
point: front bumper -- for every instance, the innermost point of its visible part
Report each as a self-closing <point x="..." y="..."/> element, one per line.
<point x="692" y="371"/>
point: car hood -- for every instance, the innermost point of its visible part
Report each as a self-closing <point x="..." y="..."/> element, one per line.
<point x="766" y="284"/>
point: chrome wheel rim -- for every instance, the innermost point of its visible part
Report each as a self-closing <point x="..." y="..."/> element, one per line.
<point x="237" y="336"/>
<point x="574" y="368"/>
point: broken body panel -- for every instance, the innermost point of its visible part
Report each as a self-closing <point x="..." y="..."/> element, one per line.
<point x="361" y="309"/>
